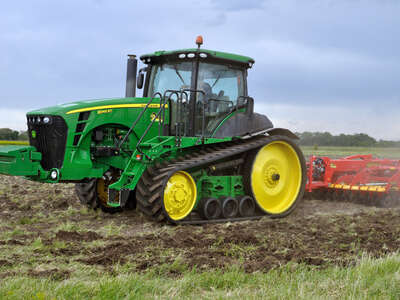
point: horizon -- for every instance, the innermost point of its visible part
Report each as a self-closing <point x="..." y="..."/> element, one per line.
<point x="318" y="68"/>
<point x="295" y="132"/>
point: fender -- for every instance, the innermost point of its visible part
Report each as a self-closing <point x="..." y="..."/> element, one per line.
<point x="282" y="131"/>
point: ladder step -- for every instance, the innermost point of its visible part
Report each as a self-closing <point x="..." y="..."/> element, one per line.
<point x="129" y="173"/>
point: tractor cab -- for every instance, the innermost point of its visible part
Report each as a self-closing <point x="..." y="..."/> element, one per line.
<point x="204" y="89"/>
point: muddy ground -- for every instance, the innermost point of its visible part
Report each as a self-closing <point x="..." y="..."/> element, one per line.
<point x="45" y="232"/>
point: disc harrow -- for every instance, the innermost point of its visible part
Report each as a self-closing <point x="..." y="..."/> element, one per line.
<point x="359" y="178"/>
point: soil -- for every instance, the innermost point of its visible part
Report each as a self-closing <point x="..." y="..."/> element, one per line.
<point x="318" y="233"/>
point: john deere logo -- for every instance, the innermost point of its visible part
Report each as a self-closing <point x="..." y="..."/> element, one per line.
<point x="153" y="116"/>
<point x="33" y="133"/>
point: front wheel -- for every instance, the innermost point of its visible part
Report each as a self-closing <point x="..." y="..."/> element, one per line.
<point x="275" y="175"/>
<point x="94" y="192"/>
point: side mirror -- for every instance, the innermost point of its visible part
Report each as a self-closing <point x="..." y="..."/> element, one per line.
<point x="140" y="78"/>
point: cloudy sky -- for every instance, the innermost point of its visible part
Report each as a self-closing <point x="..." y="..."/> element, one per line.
<point x="321" y="65"/>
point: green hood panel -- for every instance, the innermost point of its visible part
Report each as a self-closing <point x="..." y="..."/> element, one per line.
<point x="79" y="162"/>
<point x="91" y="105"/>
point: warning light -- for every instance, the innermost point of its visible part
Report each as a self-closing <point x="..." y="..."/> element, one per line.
<point x="199" y="41"/>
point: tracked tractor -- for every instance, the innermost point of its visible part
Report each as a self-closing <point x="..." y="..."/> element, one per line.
<point x="191" y="150"/>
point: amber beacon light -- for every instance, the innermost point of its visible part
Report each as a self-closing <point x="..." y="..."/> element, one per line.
<point x="199" y="41"/>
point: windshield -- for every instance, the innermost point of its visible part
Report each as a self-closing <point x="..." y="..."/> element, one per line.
<point x="171" y="76"/>
<point x="220" y="82"/>
<point x="221" y="87"/>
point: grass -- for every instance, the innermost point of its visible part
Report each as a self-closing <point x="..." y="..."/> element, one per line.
<point x="370" y="278"/>
<point x="336" y="152"/>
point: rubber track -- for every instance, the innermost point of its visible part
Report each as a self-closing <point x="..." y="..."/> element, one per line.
<point x="149" y="191"/>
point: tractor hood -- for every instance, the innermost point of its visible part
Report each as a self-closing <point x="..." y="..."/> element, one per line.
<point x="62" y="134"/>
<point x="92" y="105"/>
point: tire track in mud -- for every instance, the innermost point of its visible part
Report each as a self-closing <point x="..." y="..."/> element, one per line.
<point x="257" y="246"/>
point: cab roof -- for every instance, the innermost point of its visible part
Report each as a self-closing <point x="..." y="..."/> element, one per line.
<point x="190" y="53"/>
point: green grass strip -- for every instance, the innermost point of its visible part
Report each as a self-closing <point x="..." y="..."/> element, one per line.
<point x="369" y="279"/>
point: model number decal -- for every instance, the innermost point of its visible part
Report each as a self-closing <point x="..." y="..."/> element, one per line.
<point x="104" y="111"/>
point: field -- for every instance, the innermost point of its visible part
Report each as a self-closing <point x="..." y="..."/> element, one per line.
<point x="336" y="152"/>
<point x="51" y="247"/>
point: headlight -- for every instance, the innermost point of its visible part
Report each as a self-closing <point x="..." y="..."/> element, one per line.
<point x="54" y="174"/>
<point x="46" y="120"/>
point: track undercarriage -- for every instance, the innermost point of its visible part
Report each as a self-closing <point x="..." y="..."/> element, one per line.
<point x="239" y="180"/>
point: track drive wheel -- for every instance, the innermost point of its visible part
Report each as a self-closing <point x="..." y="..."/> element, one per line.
<point x="94" y="192"/>
<point x="173" y="198"/>
<point x="275" y="176"/>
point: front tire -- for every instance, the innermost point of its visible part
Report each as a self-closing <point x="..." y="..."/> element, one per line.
<point x="93" y="194"/>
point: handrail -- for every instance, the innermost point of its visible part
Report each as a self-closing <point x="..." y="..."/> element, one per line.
<point x="137" y="120"/>
<point x="164" y="101"/>
<point x="171" y="93"/>
<point x="160" y="115"/>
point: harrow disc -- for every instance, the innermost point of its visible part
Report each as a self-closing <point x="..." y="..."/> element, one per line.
<point x="391" y="199"/>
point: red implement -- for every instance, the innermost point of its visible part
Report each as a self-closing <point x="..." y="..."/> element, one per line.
<point x="354" y="176"/>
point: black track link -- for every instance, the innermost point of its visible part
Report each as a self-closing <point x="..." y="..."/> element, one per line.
<point x="149" y="191"/>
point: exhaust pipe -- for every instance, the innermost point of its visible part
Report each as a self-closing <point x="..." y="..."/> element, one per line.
<point x="131" y="76"/>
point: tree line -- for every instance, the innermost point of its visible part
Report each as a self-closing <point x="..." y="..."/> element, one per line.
<point x="351" y="140"/>
<point x="8" y="134"/>
<point x="306" y="139"/>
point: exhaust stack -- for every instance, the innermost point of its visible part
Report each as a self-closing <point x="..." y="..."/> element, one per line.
<point x="131" y="76"/>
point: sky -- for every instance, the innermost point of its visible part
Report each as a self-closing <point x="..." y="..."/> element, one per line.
<point x="321" y="65"/>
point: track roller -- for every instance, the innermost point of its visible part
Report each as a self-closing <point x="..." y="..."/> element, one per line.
<point x="211" y="208"/>
<point x="247" y="206"/>
<point x="230" y="207"/>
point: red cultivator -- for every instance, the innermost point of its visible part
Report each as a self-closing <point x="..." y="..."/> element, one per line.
<point x="358" y="178"/>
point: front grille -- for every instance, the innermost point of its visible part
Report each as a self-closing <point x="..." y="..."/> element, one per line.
<point x="49" y="139"/>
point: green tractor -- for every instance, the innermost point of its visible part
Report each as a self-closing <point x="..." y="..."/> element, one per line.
<point x="191" y="150"/>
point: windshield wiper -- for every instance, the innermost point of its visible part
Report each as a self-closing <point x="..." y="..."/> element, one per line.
<point x="215" y="82"/>
<point x="179" y="75"/>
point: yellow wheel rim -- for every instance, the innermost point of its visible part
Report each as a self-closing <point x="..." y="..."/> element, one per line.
<point x="180" y="195"/>
<point x="102" y="191"/>
<point x="276" y="177"/>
